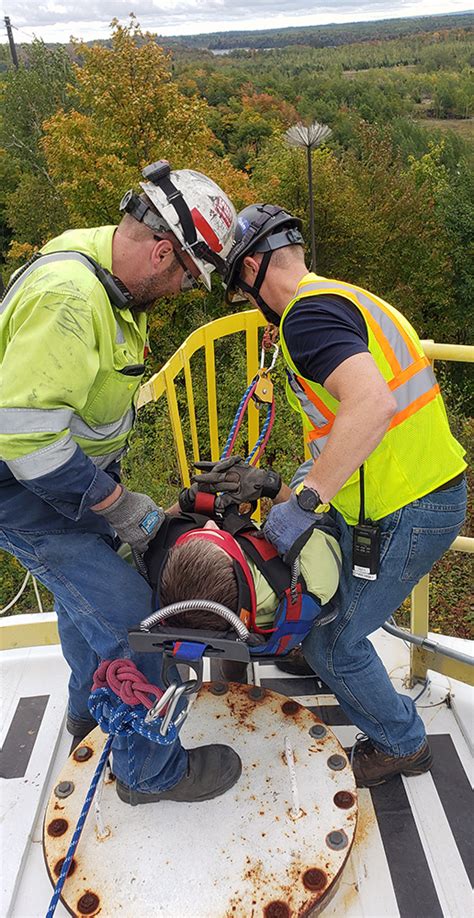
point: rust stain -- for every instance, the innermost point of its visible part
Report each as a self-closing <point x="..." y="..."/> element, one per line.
<point x="82" y="754"/>
<point x="344" y="799"/>
<point x="277" y="909"/>
<point x="57" y="827"/>
<point x="59" y="866"/>
<point x="290" y="707"/>
<point x="314" y="879"/>
<point x="88" y="903"/>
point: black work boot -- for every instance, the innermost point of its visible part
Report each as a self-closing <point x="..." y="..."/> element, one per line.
<point x="212" y="770"/>
<point x="371" y="766"/>
<point x="233" y="671"/>
<point x="79" y="727"/>
<point x="295" y="664"/>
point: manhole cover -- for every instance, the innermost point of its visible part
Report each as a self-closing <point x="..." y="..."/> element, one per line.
<point x="259" y="850"/>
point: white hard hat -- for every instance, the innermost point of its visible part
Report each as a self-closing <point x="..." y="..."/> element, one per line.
<point x="196" y="210"/>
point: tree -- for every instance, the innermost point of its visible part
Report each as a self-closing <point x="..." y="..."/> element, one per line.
<point x="127" y="112"/>
<point x="31" y="205"/>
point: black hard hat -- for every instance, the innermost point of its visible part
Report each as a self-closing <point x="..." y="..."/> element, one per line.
<point x="260" y="228"/>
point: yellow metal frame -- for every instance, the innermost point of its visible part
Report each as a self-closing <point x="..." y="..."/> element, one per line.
<point x="20" y="633"/>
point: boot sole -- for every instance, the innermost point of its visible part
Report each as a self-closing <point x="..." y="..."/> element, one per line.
<point x="135" y="798"/>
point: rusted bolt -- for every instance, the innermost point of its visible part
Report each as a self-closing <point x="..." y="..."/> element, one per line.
<point x="219" y="688"/>
<point x="337" y="840"/>
<point x="344" y="799"/>
<point x="256" y="693"/>
<point x="64" y="789"/>
<point x="82" y="753"/>
<point x="290" y="707"/>
<point x="88" y="903"/>
<point x="276" y="909"/>
<point x="57" y="827"/>
<point x="317" y="731"/>
<point x="59" y="866"/>
<point x="314" y="879"/>
<point x="337" y="762"/>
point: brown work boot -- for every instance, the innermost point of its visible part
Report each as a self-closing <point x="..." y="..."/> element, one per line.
<point x="371" y="766"/>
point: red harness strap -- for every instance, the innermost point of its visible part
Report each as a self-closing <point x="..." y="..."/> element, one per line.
<point x="204" y="503"/>
<point x="225" y="541"/>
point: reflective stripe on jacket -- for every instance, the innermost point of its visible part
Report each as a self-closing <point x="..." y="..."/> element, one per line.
<point x="63" y="349"/>
<point x="418" y="452"/>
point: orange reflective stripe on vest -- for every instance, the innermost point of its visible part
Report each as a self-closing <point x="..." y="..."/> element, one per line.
<point x="418" y="451"/>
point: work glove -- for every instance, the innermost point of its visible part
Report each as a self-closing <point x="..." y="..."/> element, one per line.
<point x="244" y="483"/>
<point x="135" y="518"/>
<point x="188" y="496"/>
<point x="288" y="527"/>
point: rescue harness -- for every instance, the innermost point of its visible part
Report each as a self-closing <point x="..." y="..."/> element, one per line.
<point x="297" y="609"/>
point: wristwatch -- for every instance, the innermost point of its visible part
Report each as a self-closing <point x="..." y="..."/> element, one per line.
<point x="308" y="499"/>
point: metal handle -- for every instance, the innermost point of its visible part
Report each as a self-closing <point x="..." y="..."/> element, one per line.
<point x="196" y="605"/>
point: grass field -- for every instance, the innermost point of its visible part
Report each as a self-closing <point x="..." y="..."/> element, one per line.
<point x="462" y="126"/>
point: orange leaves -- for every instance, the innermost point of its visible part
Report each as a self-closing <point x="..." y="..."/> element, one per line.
<point x="128" y="112"/>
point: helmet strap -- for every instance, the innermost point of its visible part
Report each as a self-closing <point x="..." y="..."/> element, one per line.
<point x="254" y="290"/>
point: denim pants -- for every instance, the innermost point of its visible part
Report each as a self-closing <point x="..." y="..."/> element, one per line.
<point x="412" y="539"/>
<point x="98" y="596"/>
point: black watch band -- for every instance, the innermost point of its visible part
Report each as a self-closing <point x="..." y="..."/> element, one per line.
<point x="308" y="499"/>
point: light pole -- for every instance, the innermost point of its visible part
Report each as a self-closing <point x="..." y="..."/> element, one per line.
<point x="309" y="137"/>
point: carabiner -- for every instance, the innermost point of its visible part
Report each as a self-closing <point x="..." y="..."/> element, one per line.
<point x="179" y="692"/>
<point x="276" y="351"/>
<point x="160" y="703"/>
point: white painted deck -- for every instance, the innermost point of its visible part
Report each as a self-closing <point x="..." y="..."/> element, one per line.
<point x="413" y="851"/>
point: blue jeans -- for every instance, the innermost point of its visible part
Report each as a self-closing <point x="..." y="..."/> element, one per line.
<point x="98" y="596"/>
<point x="413" y="538"/>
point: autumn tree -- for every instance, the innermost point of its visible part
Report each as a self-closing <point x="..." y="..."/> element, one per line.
<point x="127" y="112"/>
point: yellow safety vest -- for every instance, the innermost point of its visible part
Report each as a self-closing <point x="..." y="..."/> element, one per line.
<point x="418" y="453"/>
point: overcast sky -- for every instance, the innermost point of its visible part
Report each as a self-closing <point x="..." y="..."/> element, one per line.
<point x="53" y="20"/>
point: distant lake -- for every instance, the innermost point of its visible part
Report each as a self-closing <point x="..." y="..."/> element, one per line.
<point x="226" y="50"/>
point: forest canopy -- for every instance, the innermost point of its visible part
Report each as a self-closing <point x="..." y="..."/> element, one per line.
<point x="393" y="186"/>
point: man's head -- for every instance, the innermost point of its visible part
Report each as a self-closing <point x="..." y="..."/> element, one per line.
<point x="266" y="257"/>
<point x="172" y="235"/>
<point x="198" y="569"/>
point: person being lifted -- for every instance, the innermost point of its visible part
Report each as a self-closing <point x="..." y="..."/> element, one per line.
<point x="72" y="341"/>
<point x="383" y="456"/>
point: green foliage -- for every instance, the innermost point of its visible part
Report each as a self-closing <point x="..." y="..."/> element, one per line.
<point x="392" y="193"/>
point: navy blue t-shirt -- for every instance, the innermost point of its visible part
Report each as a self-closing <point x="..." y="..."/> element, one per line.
<point x="323" y="331"/>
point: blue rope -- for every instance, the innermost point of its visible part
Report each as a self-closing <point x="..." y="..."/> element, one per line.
<point x="236" y="420"/>
<point x="262" y="435"/>
<point x="78" y="830"/>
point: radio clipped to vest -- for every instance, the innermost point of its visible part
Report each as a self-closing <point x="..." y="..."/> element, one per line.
<point x="365" y="541"/>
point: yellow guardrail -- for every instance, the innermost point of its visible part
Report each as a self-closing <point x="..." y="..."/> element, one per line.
<point x="163" y="383"/>
<point x="250" y="321"/>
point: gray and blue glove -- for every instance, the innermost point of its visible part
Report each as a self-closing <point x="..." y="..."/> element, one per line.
<point x="135" y="517"/>
<point x="288" y="527"/>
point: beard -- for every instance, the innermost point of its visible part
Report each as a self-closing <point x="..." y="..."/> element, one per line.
<point x="147" y="291"/>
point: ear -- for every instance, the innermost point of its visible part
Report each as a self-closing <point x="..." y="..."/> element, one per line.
<point x="252" y="266"/>
<point x="162" y="249"/>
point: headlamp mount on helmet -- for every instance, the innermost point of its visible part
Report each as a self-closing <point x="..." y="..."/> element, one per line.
<point x="159" y="174"/>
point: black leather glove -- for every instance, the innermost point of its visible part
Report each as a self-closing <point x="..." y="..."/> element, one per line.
<point x="243" y="483"/>
<point x="187" y="499"/>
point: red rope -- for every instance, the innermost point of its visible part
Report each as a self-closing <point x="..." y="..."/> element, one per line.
<point x="123" y="677"/>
